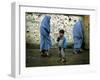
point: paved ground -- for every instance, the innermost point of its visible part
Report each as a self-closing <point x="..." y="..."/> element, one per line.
<point x="34" y="59"/>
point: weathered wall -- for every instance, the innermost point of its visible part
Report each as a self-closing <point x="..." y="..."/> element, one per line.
<point x="86" y="30"/>
<point x="57" y="22"/>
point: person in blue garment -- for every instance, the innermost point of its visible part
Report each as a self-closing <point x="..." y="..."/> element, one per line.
<point x="62" y="44"/>
<point x="78" y="36"/>
<point x="45" y="40"/>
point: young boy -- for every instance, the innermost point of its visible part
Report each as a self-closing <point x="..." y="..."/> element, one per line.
<point x="62" y="43"/>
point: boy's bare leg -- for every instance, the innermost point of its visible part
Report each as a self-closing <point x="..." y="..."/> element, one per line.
<point x="63" y="55"/>
<point x="59" y="54"/>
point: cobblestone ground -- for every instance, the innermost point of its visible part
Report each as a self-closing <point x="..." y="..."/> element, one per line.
<point x="34" y="59"/>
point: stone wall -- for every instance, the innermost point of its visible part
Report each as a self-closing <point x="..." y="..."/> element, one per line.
<point x="57" y="22"/>
<point x="86" y="30"/>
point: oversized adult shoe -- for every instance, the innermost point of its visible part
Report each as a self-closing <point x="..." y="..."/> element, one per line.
<point x="75" y="52"/>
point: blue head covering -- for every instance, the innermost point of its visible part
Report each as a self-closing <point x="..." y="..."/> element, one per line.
<point x="45" y="25"/>
<point x="46" y="21"/>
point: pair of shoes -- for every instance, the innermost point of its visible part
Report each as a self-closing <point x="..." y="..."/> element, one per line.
<point x="46" y="54"/>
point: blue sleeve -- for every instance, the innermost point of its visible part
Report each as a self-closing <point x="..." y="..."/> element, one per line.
<point x="65" y="43"/>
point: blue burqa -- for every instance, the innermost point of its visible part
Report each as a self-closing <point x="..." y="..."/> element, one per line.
<point x="78" y="35"/>
<point x="45" y="40"/>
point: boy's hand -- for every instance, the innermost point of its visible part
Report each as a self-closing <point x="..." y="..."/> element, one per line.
<point x="58" y="39"/>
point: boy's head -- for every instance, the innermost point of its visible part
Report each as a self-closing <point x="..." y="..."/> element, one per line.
<point x="61" y="32"/>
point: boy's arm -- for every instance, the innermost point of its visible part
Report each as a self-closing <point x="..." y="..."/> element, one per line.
<point x="58" y="39"/>
<point x="65" y="43"/>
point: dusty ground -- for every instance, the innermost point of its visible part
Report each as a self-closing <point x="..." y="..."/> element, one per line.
<point x="34" y="59"/>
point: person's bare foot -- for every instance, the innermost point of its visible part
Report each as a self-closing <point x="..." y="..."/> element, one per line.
<point x="42" y="54"/>
<point x="63" y="60"/>
<point x="75" y="52"/>
<point x="47" y="54"/>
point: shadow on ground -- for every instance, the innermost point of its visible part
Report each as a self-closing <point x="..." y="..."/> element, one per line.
<point x="33" y="58"/>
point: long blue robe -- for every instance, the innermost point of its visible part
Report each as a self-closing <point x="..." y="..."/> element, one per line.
<point x="45" y="40"/>
<point x="78" y="35"/>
